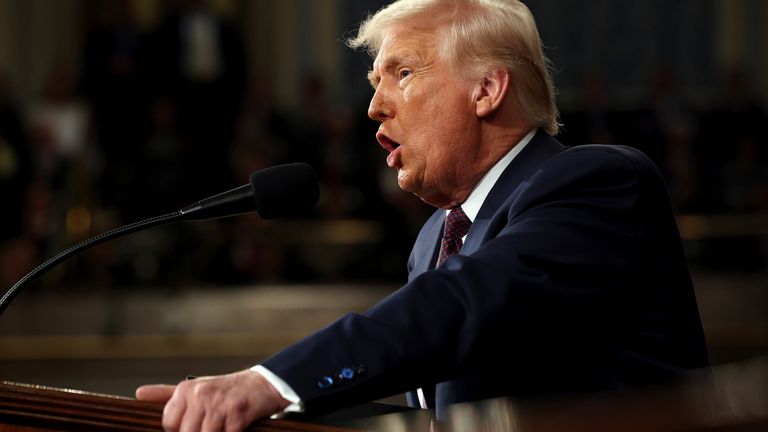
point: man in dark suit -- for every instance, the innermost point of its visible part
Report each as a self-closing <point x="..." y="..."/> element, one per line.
<point x="546" y="271"/>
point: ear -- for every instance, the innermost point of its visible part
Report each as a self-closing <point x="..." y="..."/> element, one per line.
<point x="491" y="92"/>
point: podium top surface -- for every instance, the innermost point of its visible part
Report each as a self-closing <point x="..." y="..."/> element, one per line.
<point x="730" y="398"/>
<point x="38" y="408"/>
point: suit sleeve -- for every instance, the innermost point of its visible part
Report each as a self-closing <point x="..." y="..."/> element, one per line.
<point x="554" y="254"/>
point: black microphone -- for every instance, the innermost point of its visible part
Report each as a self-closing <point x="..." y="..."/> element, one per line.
<point x="278" y="191"/>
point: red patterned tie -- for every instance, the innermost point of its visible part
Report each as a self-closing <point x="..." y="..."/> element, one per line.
<point x="456" y="226"/>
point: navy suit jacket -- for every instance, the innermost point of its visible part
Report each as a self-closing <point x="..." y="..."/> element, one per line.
<point x="572" y="281"/>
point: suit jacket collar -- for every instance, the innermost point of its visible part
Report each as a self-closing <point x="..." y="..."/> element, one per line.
<point x="522" y="167"/>
<point x="541" y="148"/>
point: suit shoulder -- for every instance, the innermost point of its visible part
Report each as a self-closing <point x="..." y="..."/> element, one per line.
<point x="590" y="171"/>
<point x="607" y="153"/>
<point x="602" y="157"/>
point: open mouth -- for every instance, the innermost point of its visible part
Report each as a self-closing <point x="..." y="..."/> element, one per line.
<point x="388" y="144"/>
<point x="393" y="147"/>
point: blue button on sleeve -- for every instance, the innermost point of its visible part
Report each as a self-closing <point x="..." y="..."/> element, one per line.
<point x="325" y="382"/>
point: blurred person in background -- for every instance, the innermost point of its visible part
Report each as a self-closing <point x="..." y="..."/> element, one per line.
<point x="731" y="149"/>
<point x="14" y="162"/>
<point x="568" y="257"/>
<point x="60" y="123"/>
<point x="114" y="82"/>
<point x="65" y="165"/>
<point x="17" y="251"/>
<point x="195" y="58"/>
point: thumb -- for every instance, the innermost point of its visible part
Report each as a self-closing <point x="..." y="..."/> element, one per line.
<point x="155" y="393"/>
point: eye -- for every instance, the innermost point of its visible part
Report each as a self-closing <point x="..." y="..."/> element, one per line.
<point x="404" y="73"/>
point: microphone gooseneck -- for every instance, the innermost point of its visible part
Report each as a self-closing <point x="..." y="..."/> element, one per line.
<point x="278" y="191"/>
<point x="84" y="245"/>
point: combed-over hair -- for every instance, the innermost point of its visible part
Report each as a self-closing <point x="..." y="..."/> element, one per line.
<point x="482" y="35"/>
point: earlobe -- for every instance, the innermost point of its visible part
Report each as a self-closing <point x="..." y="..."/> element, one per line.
<point x="491" y="92"/>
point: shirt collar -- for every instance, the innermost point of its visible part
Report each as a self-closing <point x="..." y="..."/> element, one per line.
<point x="474" y="201"/>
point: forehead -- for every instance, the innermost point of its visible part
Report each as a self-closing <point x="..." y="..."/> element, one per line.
<point x="401" y="42"/>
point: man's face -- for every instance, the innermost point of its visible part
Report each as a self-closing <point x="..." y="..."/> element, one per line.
<point x="427" y="115"/>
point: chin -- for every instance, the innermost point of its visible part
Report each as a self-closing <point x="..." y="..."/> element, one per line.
<point x="404" y="181"/>
<point x="407" y="183"/>
<point x="434" y="199"/>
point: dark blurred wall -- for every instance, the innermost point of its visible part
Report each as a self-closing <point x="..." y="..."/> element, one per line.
<point x="117" y="110"/>
<point x="123" y="109"/>
<point x="627" y="42"/>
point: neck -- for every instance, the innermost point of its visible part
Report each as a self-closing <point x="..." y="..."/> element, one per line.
<point x="488" y="154"/>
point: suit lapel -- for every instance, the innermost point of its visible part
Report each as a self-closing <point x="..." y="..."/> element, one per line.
<point x="428" y="244"/>
<point x="541" y="148"/>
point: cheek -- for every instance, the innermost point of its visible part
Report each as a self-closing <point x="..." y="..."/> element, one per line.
<point x="438" y="120"/>
<point x="448" y="121"/>
<point x="422" y="120"/>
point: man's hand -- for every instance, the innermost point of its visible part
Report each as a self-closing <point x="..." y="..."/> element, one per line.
<point x="226" y="402"/>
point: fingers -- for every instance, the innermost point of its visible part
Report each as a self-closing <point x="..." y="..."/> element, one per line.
<point x="155" y="393"/>
<point x="227" y="402"/>
<point x="214" y="422"/>
<point x="174" y="411"/>
<point x="175" y="403"/>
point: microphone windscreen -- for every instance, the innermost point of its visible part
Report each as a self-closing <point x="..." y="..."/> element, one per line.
<point x="284" y="190"/>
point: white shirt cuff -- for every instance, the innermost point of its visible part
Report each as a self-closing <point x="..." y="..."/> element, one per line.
<point x="287" y="393"/>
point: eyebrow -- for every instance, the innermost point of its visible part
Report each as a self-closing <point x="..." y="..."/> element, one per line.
<point x="390" y="63"/>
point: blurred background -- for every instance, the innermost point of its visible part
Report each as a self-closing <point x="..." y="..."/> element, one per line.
<point x="112" y="111"/>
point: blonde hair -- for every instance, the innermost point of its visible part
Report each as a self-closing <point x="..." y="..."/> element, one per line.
<point x="483" y="35"/>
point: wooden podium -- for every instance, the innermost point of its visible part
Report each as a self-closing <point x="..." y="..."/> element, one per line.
<point x="31" y="408"/>
<point x="727" y="398"/>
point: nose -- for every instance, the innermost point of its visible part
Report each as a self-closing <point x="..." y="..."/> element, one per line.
<point x="380" y="107"/>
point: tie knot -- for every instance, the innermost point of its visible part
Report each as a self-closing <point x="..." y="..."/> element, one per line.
<point x="457" y="224"/>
